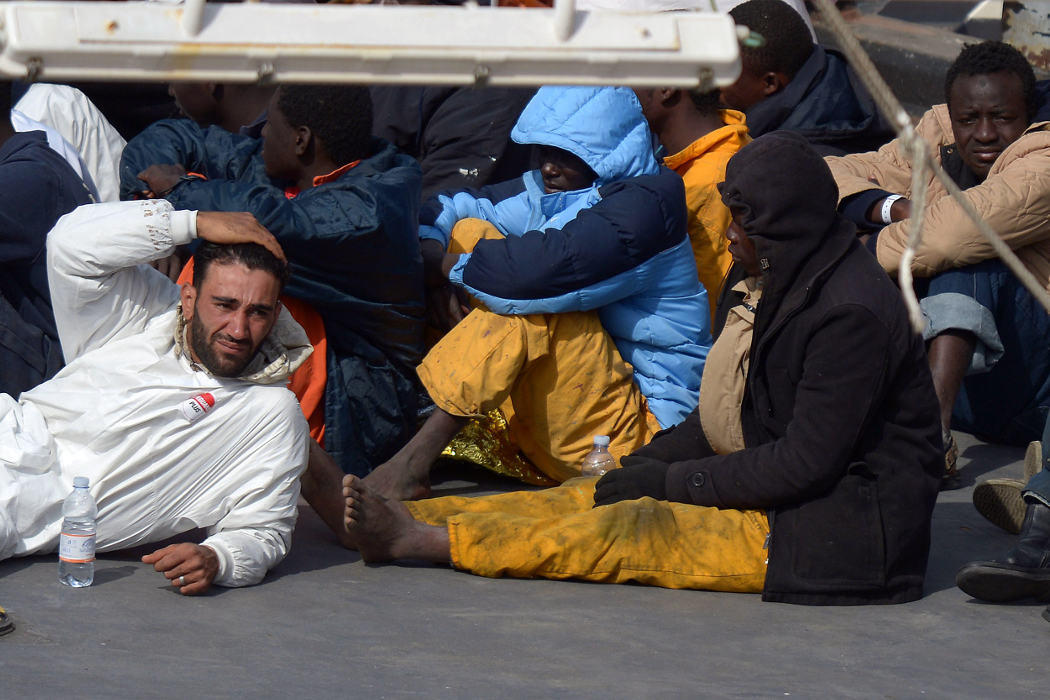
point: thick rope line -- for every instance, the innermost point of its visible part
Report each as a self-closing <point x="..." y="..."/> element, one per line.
<point x="921" y="158"/>
<point x="918" y="189"/>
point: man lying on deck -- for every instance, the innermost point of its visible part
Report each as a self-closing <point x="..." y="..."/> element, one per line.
<point x="172" y="401"/>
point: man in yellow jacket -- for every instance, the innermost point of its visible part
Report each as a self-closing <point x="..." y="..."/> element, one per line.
<point x="986" y="334"/>
<point x="700" y="138"/>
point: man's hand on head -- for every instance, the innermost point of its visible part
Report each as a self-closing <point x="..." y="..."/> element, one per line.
<point x="233" y="227"/>
<point x="636" y="478"/>
<point x="189" y="567"/>
<point x="160" y="179"/>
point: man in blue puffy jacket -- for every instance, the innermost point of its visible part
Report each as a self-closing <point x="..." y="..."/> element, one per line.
<point x="591" y="318"/>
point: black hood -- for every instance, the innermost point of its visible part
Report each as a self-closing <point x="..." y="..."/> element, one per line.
<point x="785" y="199"/>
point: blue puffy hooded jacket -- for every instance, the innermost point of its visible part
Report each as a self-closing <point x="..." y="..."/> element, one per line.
<point x="619" y="247"/>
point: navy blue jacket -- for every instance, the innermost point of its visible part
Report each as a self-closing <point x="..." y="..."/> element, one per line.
<point x="828" y="105"/>
<point x="37" y="187"/>
<point x="354" y="256"/>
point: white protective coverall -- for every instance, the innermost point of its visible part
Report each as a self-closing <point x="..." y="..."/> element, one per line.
<point x="112" y="414"/>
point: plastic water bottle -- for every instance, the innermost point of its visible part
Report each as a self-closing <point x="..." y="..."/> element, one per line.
<point x="76" y="546"/>
<point x="598" y="460"/>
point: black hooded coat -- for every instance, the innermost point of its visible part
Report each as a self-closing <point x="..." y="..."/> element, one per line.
<point x="839" y="414"/>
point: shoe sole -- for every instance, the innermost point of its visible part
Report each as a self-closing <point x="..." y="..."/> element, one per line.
<point x="1001" y="503"/>
<point x="6" y="625"/>
<point x="999" y="583"/>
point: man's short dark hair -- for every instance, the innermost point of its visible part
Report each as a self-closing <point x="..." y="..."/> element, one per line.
<point x="251" y="255"/>
<point x="339" y="115"/>
<point x="706" y="103"/>
<point x="993" y="57"/>
<point x="788" y="42"/>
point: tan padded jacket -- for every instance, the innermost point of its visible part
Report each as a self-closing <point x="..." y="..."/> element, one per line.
<point x="1014" y="199"/>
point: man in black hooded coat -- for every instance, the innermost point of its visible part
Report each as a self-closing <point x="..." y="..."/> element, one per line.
<point x="839" y="415"/>
<point x="839" y="420"/>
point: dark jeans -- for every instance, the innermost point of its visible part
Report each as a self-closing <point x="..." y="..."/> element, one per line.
<point x="1006" y="396"/>
<point x="1038" y="487"/>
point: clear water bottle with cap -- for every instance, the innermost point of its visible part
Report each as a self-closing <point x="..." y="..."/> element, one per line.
<point x="76" y="545"/>
<point x="598" y="460"/>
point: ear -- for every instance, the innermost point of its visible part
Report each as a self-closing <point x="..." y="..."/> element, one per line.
<point x="188" y="294"/>
<point x="668" y="96"/>
<point x="773" y="82"/>
<point x="303" y="139"/>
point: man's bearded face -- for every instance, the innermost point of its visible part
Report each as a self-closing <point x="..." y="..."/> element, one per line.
<point x="230" y="316"/>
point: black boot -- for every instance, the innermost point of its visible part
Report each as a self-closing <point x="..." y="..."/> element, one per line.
<point x="1024" y="573"/>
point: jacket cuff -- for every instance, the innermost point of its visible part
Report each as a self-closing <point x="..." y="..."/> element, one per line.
<point x="433" y="233"/>
<point x="688" y="482"/>
<point x="225" y="560"/>
<point x="455" y="275"/>
<point x="183" y="226"/>
<point x="855" y="207"/>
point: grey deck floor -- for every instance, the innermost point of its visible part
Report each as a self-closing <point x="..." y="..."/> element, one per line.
<point x="324" y="624"/>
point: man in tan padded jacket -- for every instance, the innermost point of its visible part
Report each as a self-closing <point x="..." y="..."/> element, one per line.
<point x="986" y="334"/>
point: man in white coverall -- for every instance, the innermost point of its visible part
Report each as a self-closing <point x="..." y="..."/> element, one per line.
<point x="173" y="401"/>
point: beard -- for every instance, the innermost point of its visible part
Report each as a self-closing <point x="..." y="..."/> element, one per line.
<point x="217" y="363"/>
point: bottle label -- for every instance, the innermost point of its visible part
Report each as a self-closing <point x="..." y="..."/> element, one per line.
<point x="195" y="408"/>
<point x="77" y="548"/>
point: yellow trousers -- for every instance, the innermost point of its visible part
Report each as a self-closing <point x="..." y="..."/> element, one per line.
<point x="557" y="378"/>
<point x="556" y="533"/>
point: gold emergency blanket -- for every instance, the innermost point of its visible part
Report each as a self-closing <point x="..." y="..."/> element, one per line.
<point x="485" y="441"/>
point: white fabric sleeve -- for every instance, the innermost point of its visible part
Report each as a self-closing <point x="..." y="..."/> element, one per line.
<point x="255" y="533"/>
<point x="101" y="286"/>
<point x="80" y="123"/>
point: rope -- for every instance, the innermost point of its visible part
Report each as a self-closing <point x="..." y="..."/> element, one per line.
<point x="918" y="201"/>
<point x="921" y="160"/>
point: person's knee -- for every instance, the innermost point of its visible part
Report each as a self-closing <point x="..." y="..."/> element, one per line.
<point x="467" y="232"/>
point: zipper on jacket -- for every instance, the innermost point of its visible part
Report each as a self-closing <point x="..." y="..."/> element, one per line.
<point x="769" y="535"/>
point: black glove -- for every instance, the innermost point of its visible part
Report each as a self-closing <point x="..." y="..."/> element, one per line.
<point x="637" y="478"/>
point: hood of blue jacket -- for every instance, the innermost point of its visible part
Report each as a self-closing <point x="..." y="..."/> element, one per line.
<point x="603" y="126"/>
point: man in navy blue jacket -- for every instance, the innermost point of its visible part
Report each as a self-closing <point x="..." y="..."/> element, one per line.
<point x="37" y="187"/>
<point x="343" y="207"/>
<point x="791" y="84"/>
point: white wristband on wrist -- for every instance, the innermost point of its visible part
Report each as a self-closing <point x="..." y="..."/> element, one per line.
<point x="887" y="204"/>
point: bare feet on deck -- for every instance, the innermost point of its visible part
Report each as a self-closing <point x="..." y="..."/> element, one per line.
<point x="394" y="479"/>
<point x="384" y="530"/>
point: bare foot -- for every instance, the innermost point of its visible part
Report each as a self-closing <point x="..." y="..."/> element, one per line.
<point x="384" y="530"/>
<point x="395" y="479"/>
<point x="406" y="475"/>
